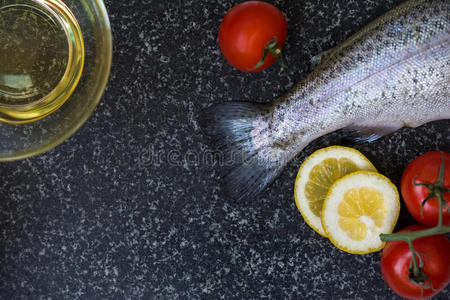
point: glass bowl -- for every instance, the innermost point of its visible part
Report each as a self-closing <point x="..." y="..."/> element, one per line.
<point x="25" y="140"/>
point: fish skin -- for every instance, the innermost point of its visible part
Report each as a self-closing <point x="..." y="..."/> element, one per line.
<point x="391" y="74"/>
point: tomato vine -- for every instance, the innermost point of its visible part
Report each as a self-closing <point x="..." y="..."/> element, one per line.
<point x="416" y="274"/>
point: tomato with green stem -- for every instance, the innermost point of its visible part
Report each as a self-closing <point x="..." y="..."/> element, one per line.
<point x="417" y="190"/>
<point x="415" y="262"/>
<point x="431" y="254"/>
<point x="252" y="34"/>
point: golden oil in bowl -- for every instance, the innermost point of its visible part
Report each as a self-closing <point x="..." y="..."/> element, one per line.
<point x="41" y="58"/>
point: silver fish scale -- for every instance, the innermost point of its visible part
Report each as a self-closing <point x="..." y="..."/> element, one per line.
<point x="391" y="74"/>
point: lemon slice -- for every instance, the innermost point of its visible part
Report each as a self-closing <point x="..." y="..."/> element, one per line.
<point x="316" y="175"/>
<point x="357" y="209"/>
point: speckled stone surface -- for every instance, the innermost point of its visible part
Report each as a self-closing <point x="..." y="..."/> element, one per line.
<point x="125" y="210"/>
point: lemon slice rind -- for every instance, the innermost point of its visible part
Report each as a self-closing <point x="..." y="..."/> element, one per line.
<point x="314" y="159"/>
<point x="330" y="216"/>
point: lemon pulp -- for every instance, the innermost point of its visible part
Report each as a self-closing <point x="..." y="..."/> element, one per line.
<point x="322" y="176"/>
<point x="318" y="173"/>
<point x="360" y="209"/>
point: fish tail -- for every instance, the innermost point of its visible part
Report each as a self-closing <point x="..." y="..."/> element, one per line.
<point x="241" y="132"/>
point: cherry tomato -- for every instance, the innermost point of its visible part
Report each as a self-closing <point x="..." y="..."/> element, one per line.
<point x="396" y="258"/>
<point x="247" y="29"/>
<point x="425" y="169"/>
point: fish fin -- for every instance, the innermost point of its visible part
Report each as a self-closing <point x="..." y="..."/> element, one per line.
<point x="319" y="58"/>
<point x="367" y="134"/>
<point x="240" y="132"/>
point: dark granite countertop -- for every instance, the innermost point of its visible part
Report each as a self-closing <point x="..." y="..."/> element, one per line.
<point x="109" y="214"/>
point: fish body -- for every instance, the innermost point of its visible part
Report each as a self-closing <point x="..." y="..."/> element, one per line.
<point x="393" y="73"/>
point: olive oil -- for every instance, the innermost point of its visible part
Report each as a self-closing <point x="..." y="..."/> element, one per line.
<point x="41" y="58"/>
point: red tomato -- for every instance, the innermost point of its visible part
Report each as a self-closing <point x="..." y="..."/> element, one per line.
<point x="245" y="31"/>
<point x="396" y="259"/>
<point x="425" y="169"/>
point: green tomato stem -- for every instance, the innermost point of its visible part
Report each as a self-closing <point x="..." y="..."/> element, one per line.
<point x="440" y="200"/>
<point x="416" y="268"/>
<point x="407" y="236"/>
<point x="274" y="49"/>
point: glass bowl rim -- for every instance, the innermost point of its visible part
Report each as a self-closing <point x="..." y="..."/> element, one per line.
<point x="97" y="95"/>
